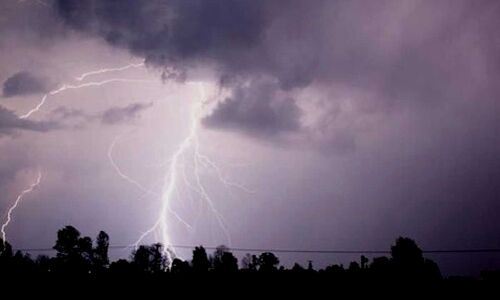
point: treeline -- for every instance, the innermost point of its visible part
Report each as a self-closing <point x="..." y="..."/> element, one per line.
<point x="76" y="254"/>
<point x="80" y="256"/>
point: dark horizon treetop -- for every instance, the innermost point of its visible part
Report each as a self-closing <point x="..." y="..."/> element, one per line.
<point x="77" y="255"/>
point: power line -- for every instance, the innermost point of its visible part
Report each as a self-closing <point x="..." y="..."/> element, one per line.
<point x="445" y="251"/>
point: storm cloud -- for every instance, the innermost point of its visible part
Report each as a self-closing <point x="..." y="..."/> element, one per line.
<point x="256" y="109"/>
<point x="24" y="83"/>
<point x="368" y="119"/>
<point x="124" y="114"/>
<point x="379" y="48"/>
<point x="10" y="123"/>
<point x="110" y="116"/>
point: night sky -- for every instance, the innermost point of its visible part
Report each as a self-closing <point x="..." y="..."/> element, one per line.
<point x="326" y="125"/>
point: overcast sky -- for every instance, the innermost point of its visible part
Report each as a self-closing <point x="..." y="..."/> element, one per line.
<point x="347" y="123"/>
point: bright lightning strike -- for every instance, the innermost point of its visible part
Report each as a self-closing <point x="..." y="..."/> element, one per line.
<point x="134" y="182"/>
<point x="16" y="203"/>
<point x="176" y="168"/>
<point x="170" y="186"/>
<point x="107" y="70"/>
<point x="175" y="163"/>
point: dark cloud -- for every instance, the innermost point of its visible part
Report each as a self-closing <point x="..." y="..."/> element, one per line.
<point x="63" y="113"/>
<point x="124" y="114"/>
<point x="10" y="123"/>
<point x="256" y="109"/>
<point x="381" y="48"/>
<point x="24" y="83"/>
<point x="168" y="31"/>
<point x="32" y="22"/>
<point x="111" y="116"/>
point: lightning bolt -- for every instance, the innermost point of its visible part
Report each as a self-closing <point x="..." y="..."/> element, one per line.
<point x="136" y="183"/>
<point x="171" y="179"/>
<point x="176" y="172"/>
<point x="16" y="203"/>
<point x="107" y="70"/>
<point x="61" y="89"/>
<point x="65" y="87"/>
<point x="120" y="172"/>
<point x="175" y="165"/>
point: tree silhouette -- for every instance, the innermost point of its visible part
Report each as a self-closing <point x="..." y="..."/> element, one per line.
<point x="249" y="262"/>
<point x="180" y="267"/>
<point x="5" y="256"/>
<point x="381" y="267"/>
<point x="408" y="262"/>
<point x="297" y="268"/>
<point x="122" y="267"/>
<point x="200" y="262"/>
<point x="406" y="252"/>
<point x="150" y="259"/>
<point x="364" y="262"/>
<point x="74" y="253"/>
<point x="67" y="242"/>
<point x="268" y="262"/>
<point x="100" y="257"/>
<point x="224" y="261"/>
<point x="5" y="249"/>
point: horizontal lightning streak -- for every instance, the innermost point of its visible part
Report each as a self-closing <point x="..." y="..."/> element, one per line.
<point x="107" y="70"/>
<point x="65" y="87"/>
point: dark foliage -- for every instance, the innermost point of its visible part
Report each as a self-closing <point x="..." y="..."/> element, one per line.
<point x="78" y="257"/>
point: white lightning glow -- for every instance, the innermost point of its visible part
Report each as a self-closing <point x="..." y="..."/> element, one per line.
<point x="65" y="87"/>
<point x="107" y="70"/>
<point x="171" y="180"/>
<point x="176" y="172"/>
<point x="16" y="203"/>
<point x="138" y="185"/>
<point x="175" y="166"/>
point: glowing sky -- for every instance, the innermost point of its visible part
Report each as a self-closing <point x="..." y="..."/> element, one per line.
<point x="349" y="123"/>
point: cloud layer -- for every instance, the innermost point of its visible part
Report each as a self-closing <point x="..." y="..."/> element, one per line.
<point x="10" y="123"/>
<point x="24" y="83"/>
<point x="382" y="49"/>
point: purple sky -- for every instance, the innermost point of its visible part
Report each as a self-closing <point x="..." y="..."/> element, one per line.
<point x="349" y="123"/>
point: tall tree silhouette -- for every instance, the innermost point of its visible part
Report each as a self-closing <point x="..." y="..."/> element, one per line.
<point x="5" y="257"/>
<point x="249" y="262"/>
<point x="100" y="257"/>
<point x="200" y="262"/>
<point x="179" y="266"/>
<point x="67" y="242"/>
<point x="409" y="263"/>
<point x="150" y="259"/>
<point x="5" y="249"/>
<point x="268" y="262"/>
<point x="73" y="252"/>
<point x="224" y="261"/>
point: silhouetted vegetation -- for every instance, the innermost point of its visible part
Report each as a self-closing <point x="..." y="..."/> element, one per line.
<point x="78" y="256"/>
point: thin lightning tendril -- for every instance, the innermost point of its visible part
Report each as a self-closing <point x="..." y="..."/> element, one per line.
<point x="121" y="173"/>
<point x="107" y="70"/>
<point x="16" y="203"/>
<point x="65" y="87"/>
<point x="61" y="89"/>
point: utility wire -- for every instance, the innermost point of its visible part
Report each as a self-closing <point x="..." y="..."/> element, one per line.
<point x="445" y="251"/>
